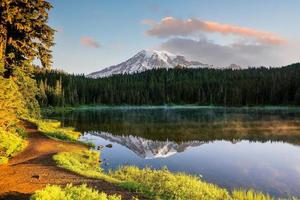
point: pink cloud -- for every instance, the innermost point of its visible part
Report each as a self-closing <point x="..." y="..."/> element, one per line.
<point x="170" y="26"/>
<point x="89" y="42"/>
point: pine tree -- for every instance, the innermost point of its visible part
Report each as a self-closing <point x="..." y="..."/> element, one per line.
<point x="42" y="93"/>
<point x="24" y="34"/>
<point x="297" y="97"/>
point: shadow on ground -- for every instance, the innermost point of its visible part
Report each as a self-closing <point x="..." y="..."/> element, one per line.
<point x="14" y="196"/>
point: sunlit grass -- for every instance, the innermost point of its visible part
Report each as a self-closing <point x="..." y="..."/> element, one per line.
<point x="53" y="129"/>
<point x="249" y="195"/>
<point x="167" y="185"/>
<point x="71" y="193"/>
<point x="150" y="183"/>
<point x="85" y="163"/>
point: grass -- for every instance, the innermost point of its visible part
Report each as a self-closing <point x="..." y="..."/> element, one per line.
<point x="71" y="193"/>
<point x="53" y="129"/>
<point x="56" y="110"/>
<point x="164" y="184"/>
<point x="250" y="195"/>
<point x="85" y="163"/>
<point x="153" y="184"/>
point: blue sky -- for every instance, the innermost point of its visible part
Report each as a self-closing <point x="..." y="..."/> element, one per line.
<point x="94" y="34"/>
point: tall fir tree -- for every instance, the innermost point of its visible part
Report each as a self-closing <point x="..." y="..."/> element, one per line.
<point x="24" y="34"/>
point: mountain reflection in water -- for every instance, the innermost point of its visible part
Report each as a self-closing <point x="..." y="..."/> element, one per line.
<point x="147" y="149"/>
<point x="232" y="147"/>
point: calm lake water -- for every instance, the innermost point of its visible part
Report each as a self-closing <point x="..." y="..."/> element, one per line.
<point x="231" y="147"/>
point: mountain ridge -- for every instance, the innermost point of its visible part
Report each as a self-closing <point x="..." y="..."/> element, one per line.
<point x="147" y="60"/>
<point x="146" y="148"/>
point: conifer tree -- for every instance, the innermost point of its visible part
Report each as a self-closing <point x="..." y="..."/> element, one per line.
<point x="42" y="94"/>
<point x="24" y="34"/>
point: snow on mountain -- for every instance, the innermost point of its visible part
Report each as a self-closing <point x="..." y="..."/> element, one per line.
<point x="147" y="60"/>
<point x="148" y="149"/>
<point x="234" y="67"/>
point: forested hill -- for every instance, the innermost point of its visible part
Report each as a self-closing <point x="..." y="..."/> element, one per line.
<point x="248" y="87"/>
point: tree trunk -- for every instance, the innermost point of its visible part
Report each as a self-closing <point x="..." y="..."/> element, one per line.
<point x="3" y="40"/>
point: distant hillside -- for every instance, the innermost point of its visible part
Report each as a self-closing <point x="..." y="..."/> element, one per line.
<point x="202" y="86"/>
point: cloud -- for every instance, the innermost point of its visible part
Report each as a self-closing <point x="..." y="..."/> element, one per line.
<point x="244" y="54"/>
<point x="89" y="42"/>
<point x="170" y="26"/>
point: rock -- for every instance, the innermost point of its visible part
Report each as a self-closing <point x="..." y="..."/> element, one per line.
<point x="109" y="146"/>
<point x="36" y="176"/>
<point x="100" y="147"/>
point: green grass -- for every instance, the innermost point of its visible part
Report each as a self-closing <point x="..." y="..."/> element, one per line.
<point x="71" y="193"/>
<point x="168" y="185"/>
<point x="56" y="110"/>
<point x="153" y="184"/>
<point x="249" y="195"/>
<point x="11" y="143"/>
<point x="85" y="163"/>
<point x="53" y="129"/>
<point x="163" y="184"/>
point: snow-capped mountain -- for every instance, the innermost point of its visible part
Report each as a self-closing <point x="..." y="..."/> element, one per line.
<point x="147" y="60"/>
<point x="234" y="67"/>
<point x="148" y="149"/>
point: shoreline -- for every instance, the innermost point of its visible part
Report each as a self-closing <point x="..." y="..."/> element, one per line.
<point x="34" y="168"/>
<point x="66" y="109"/>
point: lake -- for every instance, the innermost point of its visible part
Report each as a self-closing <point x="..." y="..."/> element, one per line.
<point x="231" y="147"/>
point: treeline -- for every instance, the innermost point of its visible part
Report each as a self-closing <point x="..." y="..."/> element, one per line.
<point x="226" y="87"/>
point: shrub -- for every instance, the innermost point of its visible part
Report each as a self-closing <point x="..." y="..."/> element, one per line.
<point x="3" y="160"/>
<point x="10" y="144"/>
<point x="71" y="193"/>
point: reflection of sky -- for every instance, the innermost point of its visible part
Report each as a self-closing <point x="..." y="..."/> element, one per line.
<point x="270" y="167"/>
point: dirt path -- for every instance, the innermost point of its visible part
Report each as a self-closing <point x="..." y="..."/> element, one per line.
<point x="34" y="168"/>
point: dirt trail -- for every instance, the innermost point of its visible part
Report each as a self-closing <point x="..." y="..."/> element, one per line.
<point x="34" y="168"/>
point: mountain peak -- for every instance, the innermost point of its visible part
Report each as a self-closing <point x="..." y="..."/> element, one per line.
<point x="234" y="67"/>
<point x="147" y="60"/>
<point x="146" y="148"/>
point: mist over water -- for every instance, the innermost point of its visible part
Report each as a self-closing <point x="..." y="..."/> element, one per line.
<point x="231" y="147"/>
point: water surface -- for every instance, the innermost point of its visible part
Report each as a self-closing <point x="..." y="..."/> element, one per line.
<point x="231" y="147"/>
